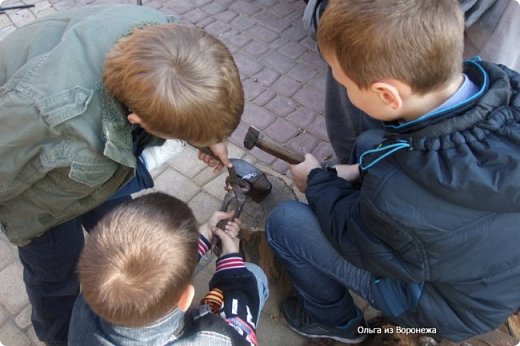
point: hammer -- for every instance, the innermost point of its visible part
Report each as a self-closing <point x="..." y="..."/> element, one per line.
<point x="254" y="137"/>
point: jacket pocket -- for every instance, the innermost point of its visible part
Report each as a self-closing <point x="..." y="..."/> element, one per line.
<point x="93" y="173"/>
<point x="65" y="105"/>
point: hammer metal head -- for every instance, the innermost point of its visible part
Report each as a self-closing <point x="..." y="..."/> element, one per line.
<point x="251" y="137"/>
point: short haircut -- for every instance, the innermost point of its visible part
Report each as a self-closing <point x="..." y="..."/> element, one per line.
<point x="419" y="42"/>
<point x="139" y="259"/>
<point x="179" y="80"/>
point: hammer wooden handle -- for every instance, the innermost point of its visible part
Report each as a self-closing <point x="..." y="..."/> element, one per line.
<point x="279" y="151"/>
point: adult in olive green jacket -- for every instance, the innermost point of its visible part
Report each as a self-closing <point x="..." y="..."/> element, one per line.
<point x="81" y="93"/>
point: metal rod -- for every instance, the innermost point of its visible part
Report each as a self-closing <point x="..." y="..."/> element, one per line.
<point x="15" y="7"/>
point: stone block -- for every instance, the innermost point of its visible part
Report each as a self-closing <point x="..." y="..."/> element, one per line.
<point x="282" y="131"/>
<point x="215" y="187"/>
<point x="204" y="205"/>
<point x="12" y="290"/>
<point x="302" y="73"/>
<point x="23" y="320"/>
<point x="10" y="334"/>
<point x="267" y="77"/>
<point x="281" y="105"/>
<point x="264" y="97"/>
<point x="257" y="116"/>
<point x="286" y="86"/>
<point x="278" y="61"/>
<point x="311" y="98"/>
<point x="176" y="184"/>
<point x="303" y="117"/>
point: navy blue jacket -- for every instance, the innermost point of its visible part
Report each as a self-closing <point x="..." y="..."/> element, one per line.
<point x="438" y="221"/>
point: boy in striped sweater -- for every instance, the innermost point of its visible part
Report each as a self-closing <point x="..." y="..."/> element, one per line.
<point x="136" y="271"/>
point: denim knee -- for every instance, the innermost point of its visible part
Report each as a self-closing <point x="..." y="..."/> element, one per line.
<point x="288" y="222"/>
<point x="281" y="222"/>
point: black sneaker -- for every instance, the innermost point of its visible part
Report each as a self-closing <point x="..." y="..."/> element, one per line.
<point x="303" y="324"/>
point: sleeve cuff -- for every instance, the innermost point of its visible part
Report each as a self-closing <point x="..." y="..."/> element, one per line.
<point x="230" y="261"/>
<point x="204" y="245"/>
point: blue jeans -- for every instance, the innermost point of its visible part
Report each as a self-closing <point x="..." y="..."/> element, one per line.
<point x="262" y="284"/>
<point x="320" y="275"/>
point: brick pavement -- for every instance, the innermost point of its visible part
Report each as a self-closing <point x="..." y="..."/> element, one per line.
<point x="283" y="78"/>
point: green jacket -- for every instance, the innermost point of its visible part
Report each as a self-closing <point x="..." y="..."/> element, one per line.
<point x="65" y="144"/>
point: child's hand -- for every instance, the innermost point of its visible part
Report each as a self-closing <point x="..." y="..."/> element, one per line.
<point x="221" y="160"/>
<point x="348" y="172"/>
<point x="301" y="171"/>
<point x="229" y="244"/>
<point x="205" y="229"/>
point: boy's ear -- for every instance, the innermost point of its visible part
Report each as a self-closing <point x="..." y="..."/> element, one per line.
<point x="390" y="93"/>
<point x="134" y="119"/>
<point x="186" y="298"/>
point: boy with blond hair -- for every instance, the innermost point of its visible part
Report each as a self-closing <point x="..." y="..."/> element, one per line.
<point x="136" y="271"/>
<point x="424" y="225"/>
<point x="85" y="94"/>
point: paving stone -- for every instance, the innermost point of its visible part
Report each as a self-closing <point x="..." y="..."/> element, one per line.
<point x="266" y="17"/>
<point x="281" y="105"/>
<point x="235" y="38"/>
<point x="200" y="3"/>
<point x="323" y="152"/>
<point x="262" y="34"/>
<point x="283" y="8"/>
<point x="203" y="177"/>
<point x="304" y="143"/>
<point x="194" y="15"/>
<point x="295" y="33"/>
<point x="226" y="16"/>
<point x="311" y="98"/>
<point x="266" y="3"/>
<point x="286" y="86"/>
<point x="214" y="8"/>
<point x="313" y="58"/>
<point x="262" y="156"/>
<point x="257" y="116"/>
<point x="21" y="17"/>
<point x="252" y="88"/>
<point x="7" y="255"/>
<point x="267" y="77"/>
<point x="204" y="205"/>
<point x="12" y="290"/>
<point x="280" y="166"/>
<point x="205" y="22"/>
<point x="282" y="130"/>
<point x="255" y="48"/>
<point x="237" y="137"/>
<point x="278" y="61"/>
<point x="235" y="151"/>
<point x="318" y="128"/>
<point x="46" y="12"/>
<point x="303" y="117"/>
<point x="4" y="315"/>
<point x="293" y="50"/>
<point x="187" y="162"/>
<point x="23" y="320"/>
<point x="247" y="66"/>
<point x="245" y="8"/>
<point x="281" y="25"/>
<point x="10" y="334"/>
<point x="302" y="73"/>
<point x="319" y="81"/>
<point x="265" y="97"/>
<point x="217" y="28"/>
<point x="180" y="7"/>
<point x="215" y="187"/>
<point x="176" y="184"/>
<point x="5" y="21"/>
<point x="40" y="6"/>
<point x="242" y="23"/>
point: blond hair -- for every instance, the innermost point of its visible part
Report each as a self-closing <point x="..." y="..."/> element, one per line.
<point x="419" y="42"/>
<point x="179" y="80"/>
<point x="139" y="259"/>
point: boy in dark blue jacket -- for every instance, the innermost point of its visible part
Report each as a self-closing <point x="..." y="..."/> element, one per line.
<point x="424" y="224"/>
